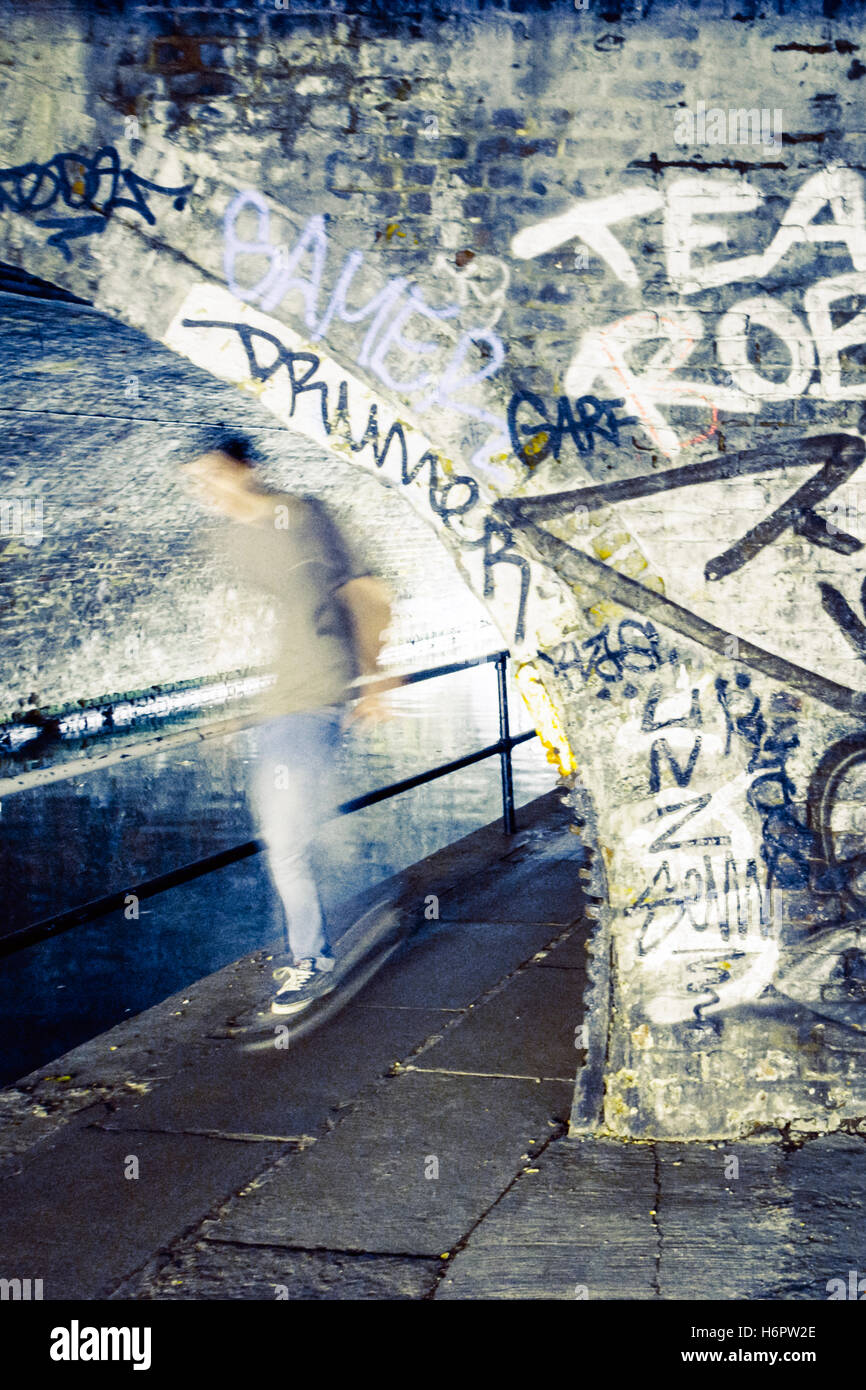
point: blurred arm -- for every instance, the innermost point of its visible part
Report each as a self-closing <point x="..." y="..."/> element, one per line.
<point x="369" y="604"/>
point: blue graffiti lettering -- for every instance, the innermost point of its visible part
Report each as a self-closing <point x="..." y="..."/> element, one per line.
<point x="594" y="417"/>
<point x="92" y="182"/>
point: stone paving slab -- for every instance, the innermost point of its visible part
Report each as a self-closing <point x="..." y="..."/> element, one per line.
<point x="724" y="1236"/>
<point x="601" y="1219"/>
<point x="363" y="1187"/>
<point x="133" y="1057"/>
<point x="827" y="1180"/>
<point x="290" y="1092"/>
<point x="593" y="1220"/>
<point x="538" y="890"/>
<point x="543" y="829"/>
<point x="210" y="1270"/>
<point x="452" y="964"/>
<point x="776" y="1224"/>
<point x="170" y="1088"/>
<point x="578" y="1227"/>
<point x="285" y="1092"/>
<point x="525" y="1029"/>
<point x="571" y="952"/>
<point x="73" y="1219"/>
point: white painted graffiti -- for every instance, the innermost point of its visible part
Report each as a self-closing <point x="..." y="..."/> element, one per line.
<point x="480" y="283"/>
<point x="300" y="271"/>
<point x="696" y="216"/>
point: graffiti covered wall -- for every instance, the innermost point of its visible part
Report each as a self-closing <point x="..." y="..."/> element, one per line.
<point x="597" y="312"/>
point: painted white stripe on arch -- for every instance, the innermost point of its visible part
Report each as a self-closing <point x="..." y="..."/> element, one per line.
<point x="220" y="352"/>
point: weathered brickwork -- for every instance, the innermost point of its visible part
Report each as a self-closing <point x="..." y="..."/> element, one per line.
<point x="531" y="266"/>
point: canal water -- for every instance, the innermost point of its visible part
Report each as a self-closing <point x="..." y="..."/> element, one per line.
<point x="103" y="831"/>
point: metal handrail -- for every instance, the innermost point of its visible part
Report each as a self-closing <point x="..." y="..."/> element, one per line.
<point x="100" y="907"/>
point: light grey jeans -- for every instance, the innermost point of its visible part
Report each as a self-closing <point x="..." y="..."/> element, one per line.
<point x="293" y="793"/>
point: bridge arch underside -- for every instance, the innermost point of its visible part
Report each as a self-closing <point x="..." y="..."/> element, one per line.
<point x="620" y="373"/>
<point x="115" y="577"/>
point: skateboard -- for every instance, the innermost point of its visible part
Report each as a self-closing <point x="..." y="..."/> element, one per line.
<point x="359" y="954"/>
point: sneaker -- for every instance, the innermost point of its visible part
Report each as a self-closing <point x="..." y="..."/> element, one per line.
<point x="299" y="985"/>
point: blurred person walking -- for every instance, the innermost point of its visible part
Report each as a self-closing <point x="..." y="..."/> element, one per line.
<point x="330" y="614"/>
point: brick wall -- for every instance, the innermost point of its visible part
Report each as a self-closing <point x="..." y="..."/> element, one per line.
<point x="538" y="251"/>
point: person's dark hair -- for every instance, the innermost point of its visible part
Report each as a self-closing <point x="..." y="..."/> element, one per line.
<point x="239" y="448"/>
<point x="236" y="446"/>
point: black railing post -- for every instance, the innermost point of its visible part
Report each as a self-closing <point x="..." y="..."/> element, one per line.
<point x="508" y="822"/>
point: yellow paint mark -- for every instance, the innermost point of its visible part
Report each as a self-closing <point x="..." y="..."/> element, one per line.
<point x="563" y="526"/>
<point x="545" y="719"/>
<point x="536" y="444"/>
<point x="393" y="229"/>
